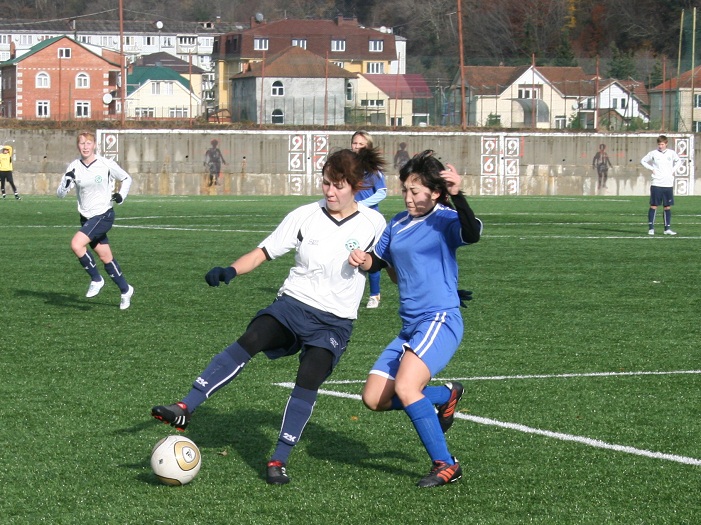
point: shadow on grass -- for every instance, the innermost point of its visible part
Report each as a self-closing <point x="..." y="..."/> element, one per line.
<point x="62" y="300"/>
<point x="252" y="434"/>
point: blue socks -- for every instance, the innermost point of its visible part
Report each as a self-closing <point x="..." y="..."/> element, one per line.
<point x="222" y="369"/>
<point x="297" y="413"/>
<point x="667" y="219"/>
<point x="651" y="218"/>
<point x="88" y="263"/>
<point x="437" y="395"/>
<point x="423" y="417"/>
<point x="115" y="272"/>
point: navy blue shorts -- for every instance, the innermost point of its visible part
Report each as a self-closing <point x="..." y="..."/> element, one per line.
<point x="660" y="195"/>
<point x="96" y="227"/>
<point x="311" y="327"/>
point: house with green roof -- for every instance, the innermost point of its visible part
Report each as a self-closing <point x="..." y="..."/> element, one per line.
<point x="156" y="92"/>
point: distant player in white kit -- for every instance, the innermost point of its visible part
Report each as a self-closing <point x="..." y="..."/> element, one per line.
<point x="663" y="163"/>
<point x="94" y="179"/>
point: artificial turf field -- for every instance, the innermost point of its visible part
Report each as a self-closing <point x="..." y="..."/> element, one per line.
<point x="580" y="360"/>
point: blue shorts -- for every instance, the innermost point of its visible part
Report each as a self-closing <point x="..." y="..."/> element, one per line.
<point x="660" y="195"/>
<point x="96" y="227"/>
<point x="434" y="338"/>
<point x="310" y="326"/>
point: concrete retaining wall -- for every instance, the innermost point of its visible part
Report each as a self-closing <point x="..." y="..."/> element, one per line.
<point x="265" y="162"/>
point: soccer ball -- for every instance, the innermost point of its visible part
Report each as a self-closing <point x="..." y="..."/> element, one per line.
<point x="176" y="460"/>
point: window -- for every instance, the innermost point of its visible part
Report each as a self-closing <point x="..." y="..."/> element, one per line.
<point x="349" y="91"/>
<point x="278" y="89"/>
<point x="5" y="39"/>
<point x="373" y="103"/>
<point x="43" y="80"/>
<point x="338" y="45"/>
<point x="339" y="64"/>
<point x="260" y="44"/>
<point x="105" y="41"/>
<point x="161" y="88"/>
<point x="177" y="112"/>
<point x="128" y="40"/>
<point x="82" y="81"/>
<point x="614" y="103"/>
<point x="278" y="117"/>
<point x="43" y="109"/>
<point x="64" y="52"/>
<point x="145" y="112"/>
<point x="697" y="101"/>
<point x="529" y="92"/>
<point x="377" y="46"/>
<point x="375" y="67"/>
<point x="396" y="121"/>
<point x="300" y="42"/>
<point x="85" y="39"/>
<point x="697" y="126"/>
<point x="26" y="40"/>
<point x="82" y="109"/>
<point x="150" y="40"/>
<point x="187" y="40"/>
<point x="624" y="103"/>
<point x="167" y="41"/>
<point x="561" y="122"/>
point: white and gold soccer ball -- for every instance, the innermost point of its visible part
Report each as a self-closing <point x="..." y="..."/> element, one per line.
<point x="176" y="460"/>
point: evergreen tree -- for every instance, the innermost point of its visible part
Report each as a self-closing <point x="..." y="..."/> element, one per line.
<point x="622" y="64"/>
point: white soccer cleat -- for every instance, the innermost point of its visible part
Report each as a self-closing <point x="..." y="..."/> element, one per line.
<point x="669" y="232"/>
<point x="95" y="287"/>
<point x="373" y="301"/>
<point x="651" y="232"/>
<point x="125" y="301"/>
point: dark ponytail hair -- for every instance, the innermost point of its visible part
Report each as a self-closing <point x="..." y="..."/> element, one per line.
<point x="427" y="168"/>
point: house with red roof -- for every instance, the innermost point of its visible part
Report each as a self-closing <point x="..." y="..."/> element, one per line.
<point x="342" y="41"/>
<point x="544" y="97"/>
<point x="675" y="104"/>
<point x="392" y="100"/>
<point x="293" y="86"/>
<point x="60" y="79"/>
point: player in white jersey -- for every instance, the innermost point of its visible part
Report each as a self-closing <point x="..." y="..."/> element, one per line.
<point x="419" y="248"/>
<point x="315" y="308"/>
<point x="94" y="180"/>
<point x="663" y="163"/>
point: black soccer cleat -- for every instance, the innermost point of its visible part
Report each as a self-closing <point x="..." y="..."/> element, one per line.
<point x="446" y="412"/>
<point x="277" y="473"/>
<point x="441" y="474"/>
<point x="175" y="415"/>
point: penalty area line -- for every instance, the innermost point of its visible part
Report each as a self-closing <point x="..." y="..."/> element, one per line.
<point x="596" y="443"/>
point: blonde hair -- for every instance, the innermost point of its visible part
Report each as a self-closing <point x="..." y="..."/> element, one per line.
<point x="366" y="136"/>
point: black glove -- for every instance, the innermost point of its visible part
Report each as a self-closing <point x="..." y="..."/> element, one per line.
<point x="116" y="197"/>
<point x="464" y="296"/>
<point x="218" y="274"/>
<point x="70" y="177"/>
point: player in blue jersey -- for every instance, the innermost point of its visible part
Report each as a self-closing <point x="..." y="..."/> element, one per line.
<point x="663" y="163"/>
<point x="375" y="190"/>
<point x="418" y="248"/>
<point x="315" y="308"/>
<point x="94" y="179"/>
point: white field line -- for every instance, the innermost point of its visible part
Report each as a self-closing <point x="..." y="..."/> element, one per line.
<point x="596" y="443"/>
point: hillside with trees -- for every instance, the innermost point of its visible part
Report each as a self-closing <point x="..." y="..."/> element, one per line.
<point x="627" y="38"/>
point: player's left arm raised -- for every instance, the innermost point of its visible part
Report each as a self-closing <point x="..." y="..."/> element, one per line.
<point x="471" y="226"/>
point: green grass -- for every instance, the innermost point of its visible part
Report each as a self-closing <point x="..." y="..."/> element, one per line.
<point x="564" y="288"/>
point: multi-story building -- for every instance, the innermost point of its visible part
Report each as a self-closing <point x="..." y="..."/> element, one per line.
<point x="60" y="79"/>
<point x="343" y="42"/>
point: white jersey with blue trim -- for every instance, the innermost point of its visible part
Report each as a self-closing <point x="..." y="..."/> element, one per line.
<point x="663" y="165"/>
<point x="423" y="253"/>
<point x="322" y="277"/>
<point x="95" y="184"/>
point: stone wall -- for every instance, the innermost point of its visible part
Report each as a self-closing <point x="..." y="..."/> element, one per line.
<point x="281" y="162"/>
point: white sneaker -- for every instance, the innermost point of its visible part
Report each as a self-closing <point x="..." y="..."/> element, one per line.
<point x="95" y="287"/>
<point x="651" y="232"/>
<point x="125" y="302"/>
<point x="669" y="232"/>
<point x="373" y="301"/>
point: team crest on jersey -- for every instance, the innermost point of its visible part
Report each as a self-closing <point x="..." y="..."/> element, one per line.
<point x="98" y="179"/>
<point x="352" y="244"/>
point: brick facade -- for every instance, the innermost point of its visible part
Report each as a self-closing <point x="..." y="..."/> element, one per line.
<point x="60" y="79"/>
